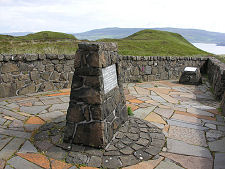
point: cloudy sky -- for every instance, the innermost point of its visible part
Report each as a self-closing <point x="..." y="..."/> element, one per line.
<point x="75" y="16"/>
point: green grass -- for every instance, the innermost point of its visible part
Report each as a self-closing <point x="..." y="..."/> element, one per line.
<point x="129" y="111"/>
<point x="44" y="35"/>
<point x="221" y="58"/>
<point x="144" y="43"/>
<point x="156" y="43"/>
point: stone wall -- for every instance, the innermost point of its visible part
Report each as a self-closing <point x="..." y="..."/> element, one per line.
<point x="150" y="68"/>
<point x="29" y="73"/>
<point x="97" y="108"/>
<point x="216" y="76"/>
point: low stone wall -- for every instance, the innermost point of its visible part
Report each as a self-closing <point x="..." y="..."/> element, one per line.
<point x="29" y="73"/>
<point x="216" y="76"/>
<point x="150" y="68"/>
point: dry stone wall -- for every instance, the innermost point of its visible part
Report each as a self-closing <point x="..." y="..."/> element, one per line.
<point x="150" y="68"/>
<point x="29" y="73"/>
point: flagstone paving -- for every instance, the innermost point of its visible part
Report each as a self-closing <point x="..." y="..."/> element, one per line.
<point x="188" y="115"/>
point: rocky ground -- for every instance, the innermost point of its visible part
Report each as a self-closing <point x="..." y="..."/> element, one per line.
<point x="31" y="129"/>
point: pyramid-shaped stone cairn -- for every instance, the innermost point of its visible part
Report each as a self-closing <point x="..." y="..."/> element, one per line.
<point x="97" y="105"/>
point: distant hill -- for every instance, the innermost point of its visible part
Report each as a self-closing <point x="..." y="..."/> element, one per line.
<point x="17" y="33"/>
<point x="192" y="35"/>
<point x="44" y="35"/>
<point x="155" y="43"/>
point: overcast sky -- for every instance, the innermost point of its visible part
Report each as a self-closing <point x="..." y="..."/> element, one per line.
<point x="82" y="15"/>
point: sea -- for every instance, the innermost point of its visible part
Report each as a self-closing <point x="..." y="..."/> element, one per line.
<point x="211" y="48"/>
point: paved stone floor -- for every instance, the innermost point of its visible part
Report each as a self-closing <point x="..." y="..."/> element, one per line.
<point x="187" y="115"/>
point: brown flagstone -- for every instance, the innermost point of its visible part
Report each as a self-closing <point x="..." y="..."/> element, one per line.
<point x="214" y="111"/>
<point x="133" y="107"/>
<point x="36" y="158"/>
<point x="190" y="162"/>
<point x="195" y="115"/>
<point x="56" y="164"/>
<point x="65" y="90"/>
<point x="35" y="120"/>
<point x="59" y="94"/>
<point x="153" y="117"/>
<point x="135" y="101"/>
<point x="160" y="90"/>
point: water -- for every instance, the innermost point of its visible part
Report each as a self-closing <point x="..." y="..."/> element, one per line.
<point x="211" y="48"/>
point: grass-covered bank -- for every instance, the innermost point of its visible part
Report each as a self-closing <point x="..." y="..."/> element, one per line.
<point x="144" y="43"/>
<point x="156" y="43"/>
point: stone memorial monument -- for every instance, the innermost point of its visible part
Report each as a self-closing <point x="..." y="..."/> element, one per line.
<point x="97" y="105"/>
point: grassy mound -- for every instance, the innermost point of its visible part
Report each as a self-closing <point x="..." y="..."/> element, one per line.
<point x="47" y="35"/>
<point x="155" y="43"/>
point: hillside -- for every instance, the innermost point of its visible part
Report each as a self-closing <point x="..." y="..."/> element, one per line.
<point x="41" y="42"/>
<point x="155" y="43"/>
<point x="192" y="35"/>
<point x="44" y="35"/>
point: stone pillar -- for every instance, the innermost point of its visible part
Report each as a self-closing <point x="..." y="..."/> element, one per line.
<point x="97" y="105"/>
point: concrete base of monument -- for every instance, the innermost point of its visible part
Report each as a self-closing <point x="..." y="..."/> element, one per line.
<point x="136" y="140"/>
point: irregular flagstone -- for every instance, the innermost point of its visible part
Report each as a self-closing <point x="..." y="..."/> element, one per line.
<point x="33" y="109"/>
<point x="36" y="158"/>
<point x="188" y="135"/>
<point x="221" y="128"/>
<point x="152" y="102"/>
<point x="168" y="165"/>
<point x="150" y="164"/>
<point x="59" y="94"/>
<point x="132" y="90"/>
<point x="214" y="111"/>
<point x="27" y="147"/>
<point x="51" y="115"/>
<point x="195" y="115"/>
<point x="190" y="162"/>
<point x="168" y="98"/>
<point x="158" y="99"/>
<point x="65" y="90"/>
<point x="160" y="90"/>
<point x="153" y="117"/>
<point x="63" y="106"/>
<point x="159" y="125"/>
<point x="142" y="91"/>
<point x="4" y="141"/>
<point x="56" y="164"/>
<point x="133" y="107"/>
<point x="180" y="147"/>
<point x="129" y="97"/>
<point x="19" y="134"/>
<point x="11" y="148"/>
<point x="19" y="163"/>
<point x="199" y="112"/>
<point x="143" y="112"/>
<point x="2" y="164"/>
<point x="12" y="114"/>
<point x="164" y="112"/>
<point x="214" y="134"/>
<point x="34" y="120"/>
<point x="185" y="118"/>
<point x="136" y="101"/>
<point x="187" y="125"/>
<point x="50" y="101"/>
<point x="211" y="126"/>
<point x="219" y="162"/>
<point x="218" y="145"/>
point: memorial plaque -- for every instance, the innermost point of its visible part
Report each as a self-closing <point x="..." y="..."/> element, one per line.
<point x="109" y="78"/>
